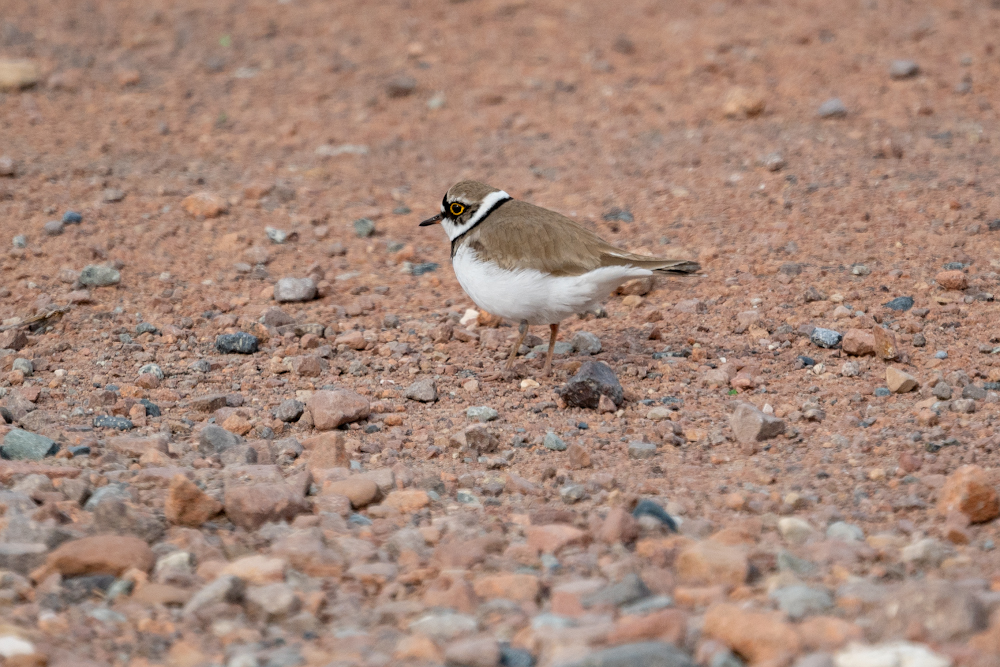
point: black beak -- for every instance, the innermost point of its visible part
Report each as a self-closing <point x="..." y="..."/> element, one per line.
<point x="431" y="221"/>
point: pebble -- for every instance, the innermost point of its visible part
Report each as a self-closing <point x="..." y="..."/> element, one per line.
<point x="215" y="440"/>
<point x="639" y="654"/>
<point x="113" y="195"/>
<point x="941" y="354"/>
<point x="572" y="493"/>
<point x="20" y="241"/>
<point x="882" y="392"/>
<point x="278" y="236"/>
<point x="72" y="218"/>
<point x="481" y="413"/>
<point x="903" y="69"/>
<point x="363" y="228"/>
<point x="17" y="75"/>
<point x="108" y="421"/>
<point x="553" y="442"/>
<point x="900" y="382"/>
<point x="641" y="450"/>
<point x="236" y="343"/>
<point x="900" y="303"/>
<point x="152" y="369"/>
<point x="799" y="601"/>
<point x="401" y="85"/>
<point x="290" y="410"/>
<point x="53" y="227"/>
<point x="23" y="365"/>
<point x="585" y="342"/>
<point x="845" y="532"/>
<point x="751" y="425"/>
<point x="594" y="380"/>
<point x="294" y="290"/>
<point x="20" y="445"/>
<point x="795" y="530"/>
<point x="99" y="275"/>
<point x="832" y="108"/>
<point x="827" y="338"/>
<point x="444" y="626"/>
<point x="892" y="654"/>
<point x="424" y="391"/>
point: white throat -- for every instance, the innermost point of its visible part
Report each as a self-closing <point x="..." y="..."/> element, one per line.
<point x="490" y="202"/>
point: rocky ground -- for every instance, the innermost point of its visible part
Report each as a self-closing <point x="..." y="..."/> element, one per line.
<point x="250" y="419"/>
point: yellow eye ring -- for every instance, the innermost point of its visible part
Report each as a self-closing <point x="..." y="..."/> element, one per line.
<point x="456" y="209"/>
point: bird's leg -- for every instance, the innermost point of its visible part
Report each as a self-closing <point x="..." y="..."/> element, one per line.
<point x="522" y="331"/>
<point x="554" y="329"/>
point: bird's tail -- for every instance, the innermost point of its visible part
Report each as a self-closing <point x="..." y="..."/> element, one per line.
<point x="675" y="267"/>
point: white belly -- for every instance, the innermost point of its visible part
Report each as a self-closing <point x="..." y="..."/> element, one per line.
<point x="527" y="294"/>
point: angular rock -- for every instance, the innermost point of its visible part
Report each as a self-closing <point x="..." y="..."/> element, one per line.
<point x="827" y="338"/>
<point x="885" y="344"/>
<point x="424" y="391"/>
<point x="641" y="450"/>
<point x="13" y="339"/>
<point x="98" y="275"/>
<point x="942" y="610"/>
<point x="750" y="425"/>
<point x="136" y="447"/>
<point x="593" y="380"/>
<point x="900" y="382"/>
<point x="187" y="505"/>
<point x="332" y="409"/>
<point x="205" y="205"/>
<point x="638" y="654"/>
<point x="858" y="343"/>
<point x="952" y="280"/>
<point x="709" y="563"/>
<point x="215" y="440"/>
<point x="585" y="342"/>
<point x="101" y="554"/>
<point x="760" y="637"/>
<point x="293" y="290"/>
<point x="290" y="410"/>
<point x="891" y="654"/>
<point x="250" y="507"/>
<point x="799" y="601"/>
<point x="968" y="490"/>
<point x="20" y="445"/>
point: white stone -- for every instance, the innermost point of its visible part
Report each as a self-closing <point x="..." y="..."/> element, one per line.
<point x="895" y="654"/>
<point x="11" y="646"/>
<point x="795" y="530"/>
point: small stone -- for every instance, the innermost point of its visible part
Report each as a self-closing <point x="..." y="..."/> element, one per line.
<point x="827" y="338"/>
<point x="277" y="236"/>
<point x="99" y="275"/>
<point x="578" y="456"/>
<point x="893" y="654"/>
<point x="900" y="382"/>
<point x="290" y="410"/>
<point x="941" y="354"/>
<point x="774" y="162"/>
<point x="885" y="344"/>
<point x="17" y="75"/>
<point x="795" y="530"/>
<point x="359" y="490"/>
<point x="205" y="205"/>
<point x="641" y="450"/>
<point x="363" y="228"/>
<point x="637" y="654"/>
<point x="585" y="342"/>
<point x="72" y="218"/>
<point x="750" y="425"/>
<point x="832" y="108"/>
<point x="118" y="423"/>
<point x="423" y="391"/>
<point x="900" y="303"/>
<point x="332" y="409"/>
<point x="13" y="339"/>
<point x="236" y="343"/>
<point x="845" y="532"/>
<point x="799" y="601"/>
<point x="53" y="227"/>
<point x="710" y="563"/>
<point x="7" y="167"/>
<point x="293" y="290"/>
<point x="968" y="490"/>
<point x="553" y="442"/>
<point x="101" y="554"/>
<point x="251" y="506"/>
<point x="473" y="652"/>
<point x="481" y="413"/>
<point x="952" y="280"/>
<point x="23" y="365"/>
<point x="112" y="195"/>
<point x="903" y="69"/>
<point x="762" y="638"/>
<point x="942" y="391"/>
<point x="593" y="380"/>
<point x="742" y="103"/>
<point x="572" y="493"/>
<point x="400" y="85"/>
<point x="187" y="505"/>
<point x="444" y="626"/>
<point x="215" y="440"/>
<point x="927" y="552"/>
<point x="20" y="445"/>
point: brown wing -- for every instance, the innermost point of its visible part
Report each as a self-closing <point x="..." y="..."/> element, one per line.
<point x="559" y="245"/>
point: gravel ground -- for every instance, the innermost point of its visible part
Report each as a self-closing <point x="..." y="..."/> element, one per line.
<point x="248" y="417"/>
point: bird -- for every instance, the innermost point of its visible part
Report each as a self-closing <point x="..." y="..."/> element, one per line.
<point x="532" y="265"/>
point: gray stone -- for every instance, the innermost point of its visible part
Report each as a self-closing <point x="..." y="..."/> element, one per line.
<point x="593" y="380"/>
<point x="20" y="241"/>
<point x="562" y="347"/>
<point x="99" y="275"/>
<point x="815" y="660"/>
<point x="845" y="532"/>
<point x="750" y="425"/>
<point x="291" y="290"/>
<point x="963" y="405"/>
<point x="239" y="455"/>
<point x="832" y="108"/>
<point x="225" y="588"/>
<point x="444" y="627"/>
<point x="290" y="410"/>
<point x="23" y="365"/>
<point x="639" y="654"/>
<point x="109" y="421"/>
<point x="278" y="236"/>
<point x="363" y="228"/>
<point x="927" y="552"/>
<point x="647" y="605"/>
<point x="827" y="338"/>
<point x="114" y="491"/>
<point x="974" y="392"/>
<point x="22" y="557"/>
<point x="627" y="591"/>
<point x="585" y="342"/>
<point x="112" y="195"/>
<point x="942" y="391"/>
<point x="787" y="562"/>
<point x="424" y="391"/>
<point x="54" y="227"/>
<point x="272" y="602"/>
<point x="903" y="69"/>
<point x="553" y="442"/>
<point x="152" y="369"/>
<point x="799" y="601"/>
<point x="900" y="303"/>
<point x="215" y="440"/>
<point x="236" y="343"/>
<point x="641" y="450"/>
<point x="946" y="611"/>
<point x="572" y="493"/>
<point x="481" y="413"/>
<point x="20" y="445"/>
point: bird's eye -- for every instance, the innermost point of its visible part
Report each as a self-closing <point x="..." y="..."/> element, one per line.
<point x="456" y="209"/>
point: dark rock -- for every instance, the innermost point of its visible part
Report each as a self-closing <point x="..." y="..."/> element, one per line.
<point x="290" y="410"/>
<point x="424" y="391"/>
<point x="900" y="303"/>
<point x="236" y="343"/>
<point x="152" y="409"/>
<point x="215" y="440"/>
<point x="639" y="654"/>
<point x="647" y="507"/>
<point x="72" y="218"/>
<point x="827" y="338"/>
<point x="20" y="445"/>
<point x="107" y="421"/>
<point x="594" y="379"/>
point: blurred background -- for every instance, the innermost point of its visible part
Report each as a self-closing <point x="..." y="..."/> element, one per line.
<point x="731" y="125"/>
